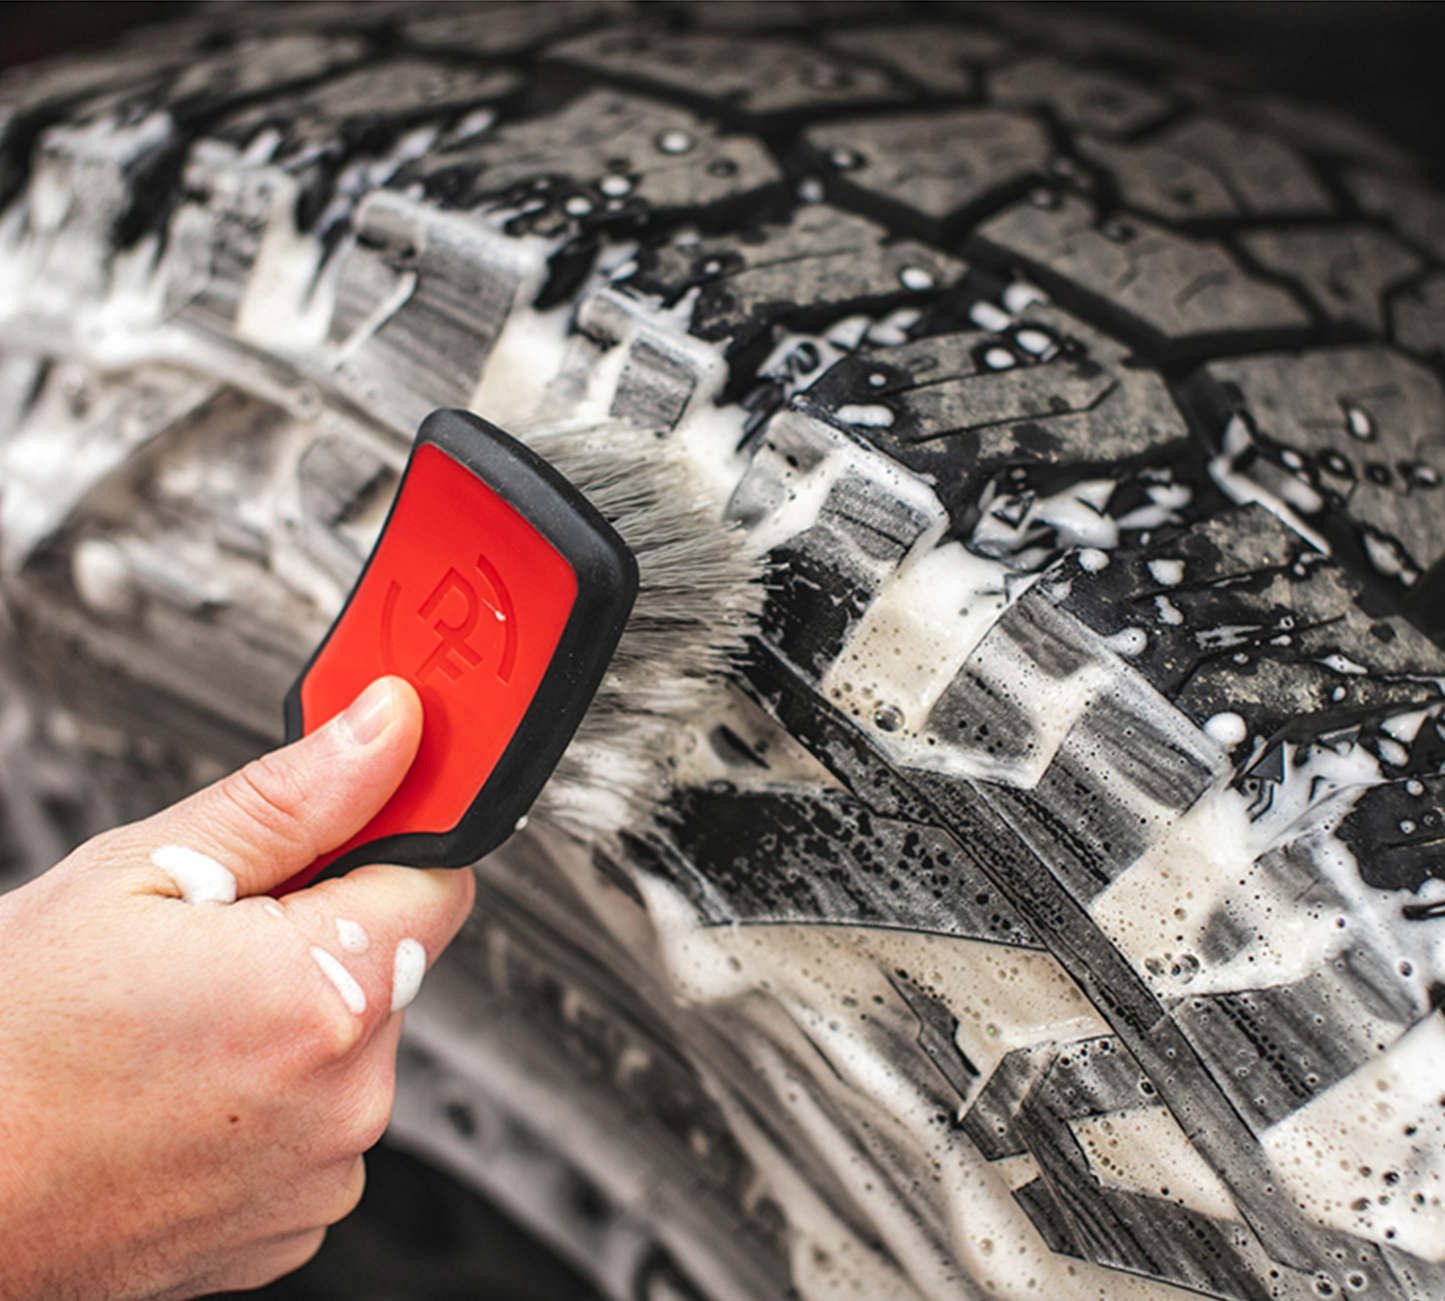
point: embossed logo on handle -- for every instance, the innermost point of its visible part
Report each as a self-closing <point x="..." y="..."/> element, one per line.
<point x="454" y="654"/>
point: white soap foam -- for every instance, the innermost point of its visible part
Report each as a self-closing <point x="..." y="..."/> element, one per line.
<point x="1228" y="728"/>
<point x="1243" y="490"/>
<point x="279" y="306"/>
<point x="1145" y="1151"/>
<point x="871" y="416"/>
<point x="351" y="935"/>
<point x="1009" y="523"/>
<point x="1159" y="911"/>
<point x="834" y="983"/>
<point x="407" y="970"/>
<point x="1167" y="573"/>
<point x="1168" y="612"/>
<point x="1367" y="1155"/>
<point x="939" y="607"/>
<point x="987" y="316"/>
<point x="351" y="993"/>
<point x="198" y="877"/>
<point x="1128" y="642"/>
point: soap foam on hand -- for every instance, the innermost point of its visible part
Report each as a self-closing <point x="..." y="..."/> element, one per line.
<point x="198" y="877"/>
<point x="351" y="993"/>
<point x="352" y="936"/>
<point x="408" y="968"/>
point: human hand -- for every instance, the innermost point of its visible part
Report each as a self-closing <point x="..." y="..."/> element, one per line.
<point x="186" y="1088"/>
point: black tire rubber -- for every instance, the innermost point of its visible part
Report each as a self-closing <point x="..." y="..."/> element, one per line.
<point x="1040" y="890"/>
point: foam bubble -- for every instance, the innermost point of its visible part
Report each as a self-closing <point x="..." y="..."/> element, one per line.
<point x="1227" y="728"/>
<point x="1128" y="642"/>
<point x="1167" y="573"/>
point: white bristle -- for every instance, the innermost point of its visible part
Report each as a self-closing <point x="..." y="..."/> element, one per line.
<point x="698" y="595"/>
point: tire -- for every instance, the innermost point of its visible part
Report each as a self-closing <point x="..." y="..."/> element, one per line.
<point x="1005" y="859"/>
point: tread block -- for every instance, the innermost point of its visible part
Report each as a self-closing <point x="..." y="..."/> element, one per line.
<point x="1346" y="271"/>
<point x="881" y="872"/>
<point x="860" y="515"/>
<point x="1273" y="1050"/>
<point x="654" y="388"/>
<point x="1089" y="771"/>
<point x="941" y="57"/>
<point x="215" y="238"/>
<point x="933" y="165"/>
<point x="606" y="155"/>
<point x="663" y="370"/>
<point x="1083" y="99"/>
<point x="762" y="76"/>
<point x="816" y="267"/>
<point x="1239" y="616"/>
<point x="1351" y="437"/>
<point x="421" y="299"/>
<point x="1204" y="168"/>
<point x="826" y="575"/>
<point x="1176" y="289"/>
<point x="1027" y="1106"/>
<point x="1048" y="392"/>
<point x="989" y="711"/>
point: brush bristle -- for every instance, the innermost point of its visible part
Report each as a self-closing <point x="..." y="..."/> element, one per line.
<point x="698" y="595"/>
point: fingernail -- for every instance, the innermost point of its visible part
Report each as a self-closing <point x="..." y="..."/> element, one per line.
<point x="367" y="716"/>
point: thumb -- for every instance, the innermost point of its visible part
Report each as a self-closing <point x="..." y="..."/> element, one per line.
<point x="274" y="817"/>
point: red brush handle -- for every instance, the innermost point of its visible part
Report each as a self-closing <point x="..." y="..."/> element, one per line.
<point x="498" y="592"/>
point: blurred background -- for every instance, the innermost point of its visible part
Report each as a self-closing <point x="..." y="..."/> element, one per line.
<point x="417" y="1235"/>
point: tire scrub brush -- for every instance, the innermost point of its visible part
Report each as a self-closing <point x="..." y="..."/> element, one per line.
<point x="500" y="593"/>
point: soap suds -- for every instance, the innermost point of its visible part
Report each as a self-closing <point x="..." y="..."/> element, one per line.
<point x="1228" y="728"/>
<point x="407" y="969"/>
<point x="1367" y="1155"/>
<point x="1144" y="1150"/>
<point x="198" y="877"/>
<point x="351" y="936"/>
<point x="351" y="993"/>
